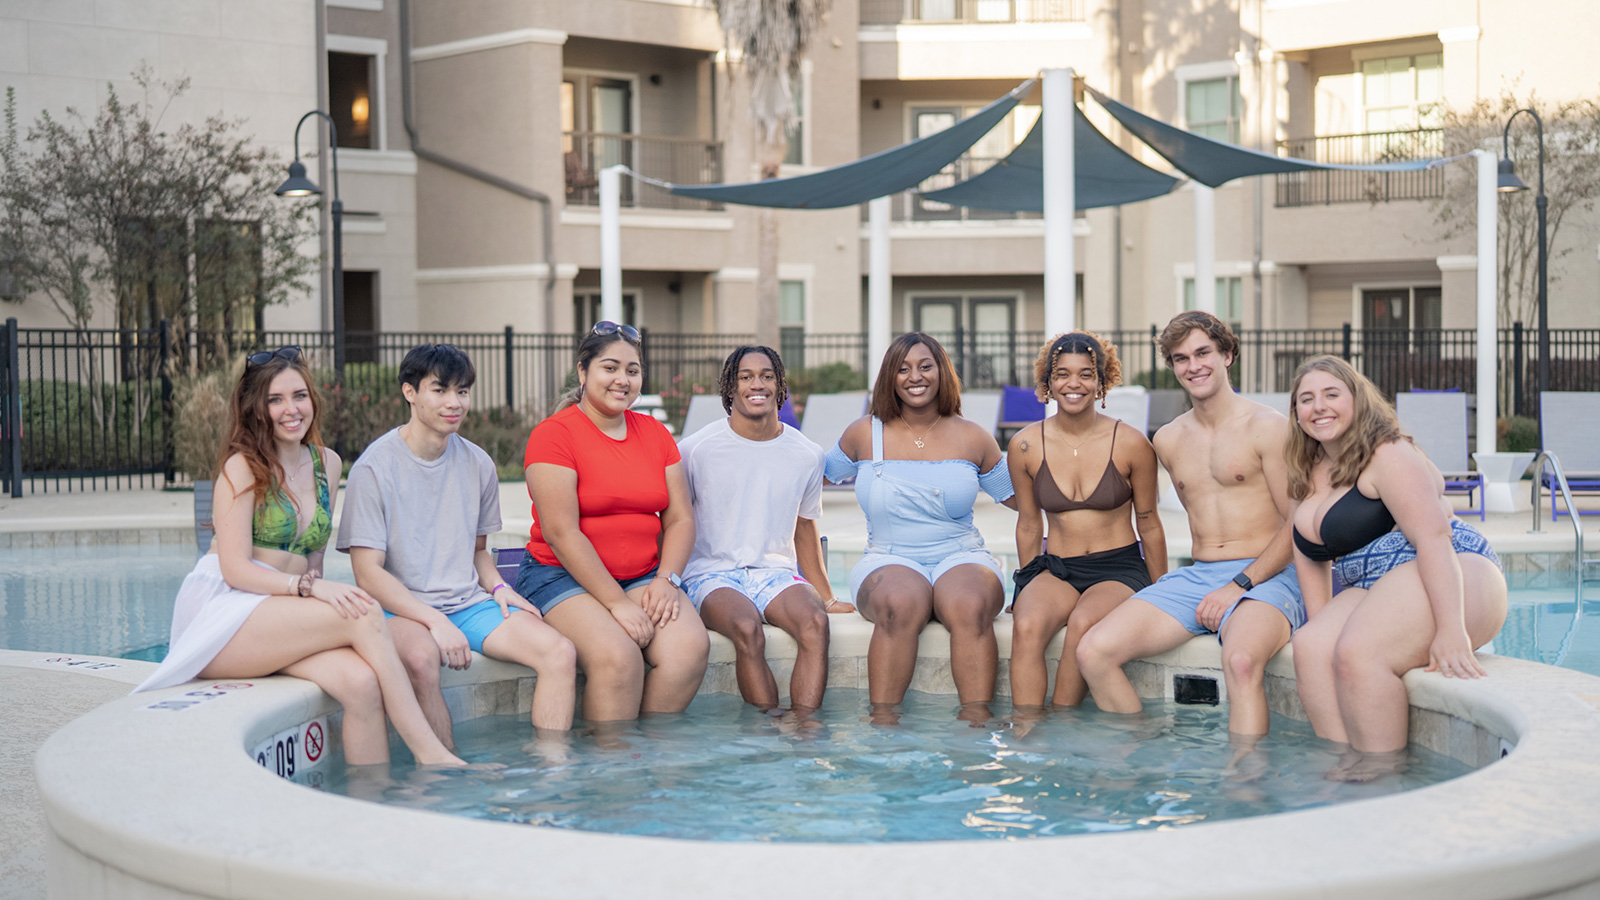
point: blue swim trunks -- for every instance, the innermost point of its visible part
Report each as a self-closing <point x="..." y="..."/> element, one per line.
<point x="477" y="621"/>
<point x="1179" y="592"/>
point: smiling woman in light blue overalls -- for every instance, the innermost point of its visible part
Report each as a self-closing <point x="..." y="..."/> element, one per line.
<point x="918" y="467"/>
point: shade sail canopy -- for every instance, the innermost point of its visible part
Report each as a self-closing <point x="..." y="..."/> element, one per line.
<point x="1103" y="175"/>
<point x="878" y="175"/>
<point x="1214" y="163"/>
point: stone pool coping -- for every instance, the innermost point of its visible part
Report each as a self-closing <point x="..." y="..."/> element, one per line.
<point x="159" y="804"/>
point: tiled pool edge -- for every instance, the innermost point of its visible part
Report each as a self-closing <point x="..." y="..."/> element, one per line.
<point x="176" y="810"/>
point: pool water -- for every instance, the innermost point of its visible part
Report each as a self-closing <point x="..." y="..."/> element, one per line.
<point x="726" y="772"/>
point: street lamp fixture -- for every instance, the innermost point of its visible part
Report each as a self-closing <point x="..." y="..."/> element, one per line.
<point x="298" y="185"/>
<point x="1509" y="182"/>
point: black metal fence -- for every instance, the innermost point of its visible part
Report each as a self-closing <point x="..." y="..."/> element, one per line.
<point x="97" y="409"/>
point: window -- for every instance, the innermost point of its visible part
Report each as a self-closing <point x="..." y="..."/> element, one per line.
<point x="979" y="333"/>
<point x="1211" y="107"/>
<point x="586" y="309"/>
<point x="597" y="119"/>
<point x="1230" y="299"/>
<point x="1402" y="93"/>
<point x="352" y="99"/>
<point x="792" y="323"/>
<point x="361" y="316"/>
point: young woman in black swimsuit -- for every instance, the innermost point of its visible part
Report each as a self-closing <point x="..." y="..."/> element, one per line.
<point x="1094" y="479"/>
<point x="1422" y="595"/>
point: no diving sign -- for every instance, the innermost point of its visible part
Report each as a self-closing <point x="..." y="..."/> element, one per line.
<point x="294" y="752"/>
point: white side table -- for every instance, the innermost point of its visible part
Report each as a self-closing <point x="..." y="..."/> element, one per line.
<point x="1502" y="474"/>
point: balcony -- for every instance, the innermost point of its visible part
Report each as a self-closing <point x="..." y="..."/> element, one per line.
<point x="896" y="12"/>
<point x="1322" y="188"/>
<point x="675" y="160"/>
<point x="914" y="208"/>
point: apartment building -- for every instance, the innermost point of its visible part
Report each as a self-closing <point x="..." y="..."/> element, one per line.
<point x="482" y="211"/>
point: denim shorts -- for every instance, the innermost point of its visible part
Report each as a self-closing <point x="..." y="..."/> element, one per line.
<point x="760" y="586"/>
<point x="545" y="586"/>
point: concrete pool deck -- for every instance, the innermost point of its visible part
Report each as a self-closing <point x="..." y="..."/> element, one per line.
<point x="165" y="517"/>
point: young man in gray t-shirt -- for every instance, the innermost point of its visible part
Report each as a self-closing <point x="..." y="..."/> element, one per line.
<point x="419" y="506"/>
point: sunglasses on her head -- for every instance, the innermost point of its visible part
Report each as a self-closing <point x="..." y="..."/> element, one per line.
<point x="628" y="332"/>
<point x="290" y="353"/>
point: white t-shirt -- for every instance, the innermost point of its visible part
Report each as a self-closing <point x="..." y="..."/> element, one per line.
<point x="747" y="495"/>
<point x="425" y="514"/>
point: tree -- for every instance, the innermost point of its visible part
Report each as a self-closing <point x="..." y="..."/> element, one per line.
<point x="179" y="225"/>
<point x="772" y="37"/>
<point x="1571" y="177"/>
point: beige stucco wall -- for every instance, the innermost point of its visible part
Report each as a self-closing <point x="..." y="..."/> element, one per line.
<point x="253" y="61"/>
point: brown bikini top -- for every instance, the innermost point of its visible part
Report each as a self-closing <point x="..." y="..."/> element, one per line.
<point x="1112" y="491"/>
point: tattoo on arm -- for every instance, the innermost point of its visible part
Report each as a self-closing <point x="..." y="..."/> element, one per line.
<point x="1024" y="446"/>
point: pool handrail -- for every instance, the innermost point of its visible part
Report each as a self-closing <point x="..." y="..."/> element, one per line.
<point x="1577" y="539"/>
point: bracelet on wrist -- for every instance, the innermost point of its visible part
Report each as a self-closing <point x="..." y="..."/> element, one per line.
<point x="496" y="589"/>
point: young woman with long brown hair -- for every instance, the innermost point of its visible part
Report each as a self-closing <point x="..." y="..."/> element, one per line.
<point x="256" y="604"/>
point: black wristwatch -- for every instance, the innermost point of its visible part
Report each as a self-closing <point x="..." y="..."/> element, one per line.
<point x="1243" y="580"/>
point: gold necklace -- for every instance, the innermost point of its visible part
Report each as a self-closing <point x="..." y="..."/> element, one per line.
<point x="1079" y="444"/>
<point x="919" y="440"/>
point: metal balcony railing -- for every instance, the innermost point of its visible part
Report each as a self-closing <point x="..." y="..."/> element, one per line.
<point x="894" y="12"/>
<point x="676" y="160"/>
<point x="1318" y="188"/>
<point x="912" y="207"/>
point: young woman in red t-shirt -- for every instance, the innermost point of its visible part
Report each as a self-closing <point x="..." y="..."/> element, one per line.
<point x="612" y="530"/>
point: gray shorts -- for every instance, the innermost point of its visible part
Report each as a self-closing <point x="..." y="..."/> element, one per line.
<point x="1179" y="592"/>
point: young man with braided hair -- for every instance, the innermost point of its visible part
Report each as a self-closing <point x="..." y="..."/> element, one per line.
<point x="756" y="485"/>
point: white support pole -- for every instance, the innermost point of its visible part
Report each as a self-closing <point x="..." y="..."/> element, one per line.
<point x="611" y="243"/>
<point x="879" y="282"/>
<point x="1502" y="472"/>
<point x="1060" y="269"/>
<point x="1205" y="248"/>
<point x="1488" y="295"/>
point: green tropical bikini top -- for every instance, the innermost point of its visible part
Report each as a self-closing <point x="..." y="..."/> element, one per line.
<point x="276" y="521"/>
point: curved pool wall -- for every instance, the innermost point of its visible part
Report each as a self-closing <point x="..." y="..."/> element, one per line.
<point x="167" y="803"/>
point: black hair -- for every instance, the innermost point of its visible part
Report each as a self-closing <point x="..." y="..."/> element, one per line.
<point x="728" y="382"/>
<point x="1107" y="367"/>
<point x="445" y="362"/>
<point x="588" y="349"/>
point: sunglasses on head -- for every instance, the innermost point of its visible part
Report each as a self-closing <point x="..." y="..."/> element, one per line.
<point x="608" y="327"/>
<point x="290" y="353"/>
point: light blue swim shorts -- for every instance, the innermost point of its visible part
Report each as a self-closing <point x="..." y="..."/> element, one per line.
<point x="762" y="586"/>
<point x="1179" y="592"/>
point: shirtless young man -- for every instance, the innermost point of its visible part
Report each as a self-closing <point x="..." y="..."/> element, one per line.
<point x="1226" y="459"/>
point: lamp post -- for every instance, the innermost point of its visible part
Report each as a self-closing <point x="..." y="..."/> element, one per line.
<point x="299" y="185"/>
<point x="1509" y="182"/>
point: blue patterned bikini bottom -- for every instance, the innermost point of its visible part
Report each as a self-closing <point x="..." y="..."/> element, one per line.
<point x="1362" y="568"/>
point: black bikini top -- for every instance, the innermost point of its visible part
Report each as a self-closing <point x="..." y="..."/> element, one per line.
<point x="1111" y="493"/>
<point x="1352" y="522"/>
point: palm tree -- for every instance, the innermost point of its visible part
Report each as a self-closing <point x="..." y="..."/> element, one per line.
<point x="772" y="37"/>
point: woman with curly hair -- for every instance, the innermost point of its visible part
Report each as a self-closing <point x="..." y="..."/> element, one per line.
<point x="256" y="604"/>
<point x="1422" y="588"/>
<point x="1093" y="498"/>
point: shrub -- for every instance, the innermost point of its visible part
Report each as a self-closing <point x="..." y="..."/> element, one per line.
<point x="833" y="378"/>
<point x="201" y="426"/>
<point x="1517" y="434"/>
<point x="68" y="426"/>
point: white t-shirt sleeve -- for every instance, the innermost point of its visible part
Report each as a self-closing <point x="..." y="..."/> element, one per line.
<point x="363" y="521"/>
<point x="811" y="501"/>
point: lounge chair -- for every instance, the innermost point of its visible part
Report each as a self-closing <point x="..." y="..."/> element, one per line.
<point x="1279" y="402"/>
<point x="1019" y="408"/>
<point x="982" y="407"/>
<point x="703" y="410"/>
<point x="1571" y="424"/>
<point x="1131" y="404"/>
<point x="828" y="415"/>
<point x="1437" y="421"/>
